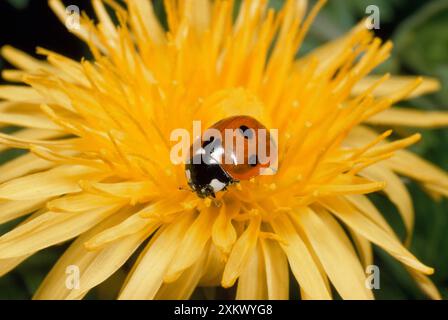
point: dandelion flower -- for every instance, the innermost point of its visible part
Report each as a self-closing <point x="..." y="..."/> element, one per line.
<point x="98" y="168"/>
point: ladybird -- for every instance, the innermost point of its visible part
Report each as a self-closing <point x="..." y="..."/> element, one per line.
<point x="229" y="152"/>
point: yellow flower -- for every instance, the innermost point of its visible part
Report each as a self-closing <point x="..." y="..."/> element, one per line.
<point x="98" y="167"/>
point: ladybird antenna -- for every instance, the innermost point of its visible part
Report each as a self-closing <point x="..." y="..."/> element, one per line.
<point x="181" y="188"/>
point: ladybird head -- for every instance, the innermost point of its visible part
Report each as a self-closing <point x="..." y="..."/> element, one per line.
<point x="205" y="175"/>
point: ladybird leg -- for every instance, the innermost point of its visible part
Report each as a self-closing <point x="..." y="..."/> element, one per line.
<point x="232" y="182"/>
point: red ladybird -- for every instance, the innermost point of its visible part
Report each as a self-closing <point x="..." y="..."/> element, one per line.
<point x="239" y="148"/>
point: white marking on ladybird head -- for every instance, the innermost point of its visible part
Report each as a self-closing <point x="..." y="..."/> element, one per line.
<point x="217" y="185"/>
<point x="188" y="175"/>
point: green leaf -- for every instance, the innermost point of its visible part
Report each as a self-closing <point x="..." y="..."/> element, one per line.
<point x="421" y="43"/>
<point x="19" y="4"/>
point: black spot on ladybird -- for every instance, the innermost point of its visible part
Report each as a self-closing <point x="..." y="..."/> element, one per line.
<point x="206" y="143"/>
<point x="246" y="132"/>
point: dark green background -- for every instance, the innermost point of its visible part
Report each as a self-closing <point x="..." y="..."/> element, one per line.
<point x="419" y="30"/>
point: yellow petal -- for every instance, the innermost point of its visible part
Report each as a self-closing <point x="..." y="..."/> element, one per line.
<point x="396" y="83"/>
<point x="396" y="192"/>
<point x="13" y="75"/>
<point x="33" y="134"/>
<point x="213" y="269"/>
<point x="145" y="21"/>
<point x="146" y="277"/>
<point x="199" y="13"/>
<point x="11" y="210"/>
<point x="252" y="281"/>
<point x="373" y="233"/>
<point x="363" y="247"/>
<point x="23" y="61"/>
<point x="49" y="229"/>
<point x="30" y="120"/>
<point x="300" y="260"/>
<point x="223" y="232"/>
<point x="21" y="166"/>
<point x="240" y="254"/>
<point x="140" y="191"/>
<point x="20" y="94"/>
<point x="80" y="202"/>
<point x="183" y="287"/>
<point x="435" y="189"/>
<point x="94" y="267"/>
<point x="411" y="165"/>
<point x="134" y="224"/>
<point x="365" y="206"/>
<point x="393" y="146"/>
<point x="67" y="69"/>
<point x="335" y="253"/>
<point x="54" y="182"/>
<point x="7" y="265"/>
<point x="164" y="208"/>
<point x="232" y="102"/>
<point x="192" y="244"/>
<point x="410" y="118"/>
<point x="106" y="24"/>
<point x="330" y="51"/>
<point x="248" y="11"/>
<point x="425" y="284"/>
<point x="357" y="187"/>
<point x="277" y="272"/>
<point x="361" y="136"/>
